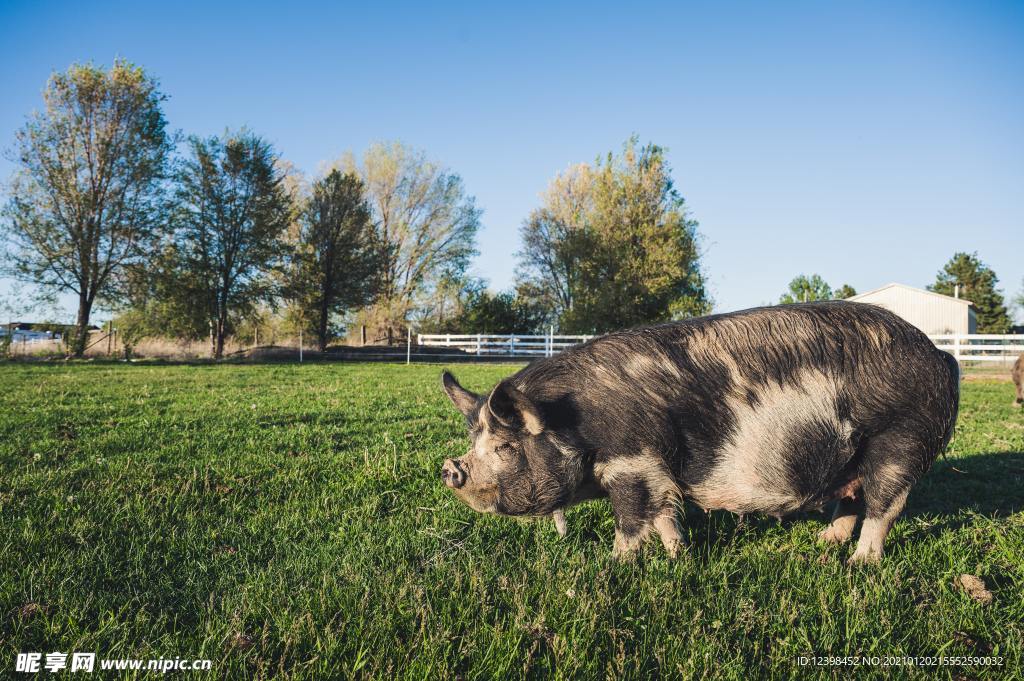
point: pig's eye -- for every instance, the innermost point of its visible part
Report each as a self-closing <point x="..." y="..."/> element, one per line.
<point x="506" y="449"/>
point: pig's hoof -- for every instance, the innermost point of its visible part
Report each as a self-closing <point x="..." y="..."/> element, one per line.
<point x="1018" y="404"/>
<point x="834" y="535"/>
<point x="676" y="550"/>
<point x="864" y="558"/>
<point x="625" y="552"/>
<point x="559" y="518"/>
<point x="625" y="555"/>
<point x="627" y="545"/>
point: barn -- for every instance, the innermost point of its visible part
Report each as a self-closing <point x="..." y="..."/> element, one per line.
<point x="933" y="313"/>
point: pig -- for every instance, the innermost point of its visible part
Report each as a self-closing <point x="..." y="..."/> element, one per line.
<point x="771" y="410"/>
<point x="1018" y="380"/>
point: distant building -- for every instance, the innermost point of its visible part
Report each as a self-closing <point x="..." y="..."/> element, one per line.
<point x="933" y="313"/>
<point x="31" y="332"/>
<point x="26" y="332"/>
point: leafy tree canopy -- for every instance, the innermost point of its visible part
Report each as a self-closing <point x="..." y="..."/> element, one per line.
<point x="804" y="289"/>
<point x="613" y="246"/>
<point x="481" y="311"/>
<point x="87" y="198"/>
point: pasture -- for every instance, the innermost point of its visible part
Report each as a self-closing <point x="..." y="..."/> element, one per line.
<point x="287" y="520"/>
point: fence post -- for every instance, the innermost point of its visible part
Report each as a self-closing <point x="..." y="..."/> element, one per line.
<point x="408" y="344"/>
<point x="300" y="343"/>
<point x="956" y="346"/>
<point x="512" y="345"/>
<point x="551" y="340"/>
<point x="447" y="340"/>
<point x="362" y="334"/>
<point x="478" y="337"/>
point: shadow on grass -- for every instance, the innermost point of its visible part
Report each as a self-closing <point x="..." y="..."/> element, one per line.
<point x="989" y="484"/>
<point x="985" y="484"/>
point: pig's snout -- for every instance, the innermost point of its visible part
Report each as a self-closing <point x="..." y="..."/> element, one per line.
<point x="451" y="473"/>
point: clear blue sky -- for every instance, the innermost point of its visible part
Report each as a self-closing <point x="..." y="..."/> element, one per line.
<point x="863" y="141"/>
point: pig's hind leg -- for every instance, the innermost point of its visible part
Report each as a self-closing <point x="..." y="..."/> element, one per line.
<point x="893" y="461"/>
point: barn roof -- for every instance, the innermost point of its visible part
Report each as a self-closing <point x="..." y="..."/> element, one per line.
<point x="910" y="288"/>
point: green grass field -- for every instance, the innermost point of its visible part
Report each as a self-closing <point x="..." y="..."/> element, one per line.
<point x="288" y="521"/>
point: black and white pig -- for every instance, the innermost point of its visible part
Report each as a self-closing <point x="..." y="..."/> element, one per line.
<point x="769" y="410"/>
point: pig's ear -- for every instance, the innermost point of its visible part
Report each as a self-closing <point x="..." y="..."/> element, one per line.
<point x="510" y="406"/>
<point x="464" y="400"/>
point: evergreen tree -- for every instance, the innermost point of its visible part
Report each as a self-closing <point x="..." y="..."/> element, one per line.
<point x="233" y="211"/>
<point x="977" y="284"/>
<point x="845" y="291"/>
<point x="339" y="258"/>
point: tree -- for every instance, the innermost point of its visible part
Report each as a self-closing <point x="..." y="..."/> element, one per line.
<point x="804" y="289"/>
<point x="87" y="200"/>
<point x="427" y="223"/>
<point x="232" y="211"/>
<point x="612" y="246"/>
<point x="554" y="239"/>
<point x="478" y="310"/>
<point x="503" y="312"/>
<point x="339" y="259"/>
<point x="845" y="291"/>
<point x="14" y="305"/>
<point x="977" y="283"/>
<point x="159" y="297"/>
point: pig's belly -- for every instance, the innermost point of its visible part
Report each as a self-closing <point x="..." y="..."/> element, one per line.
<point x="747" y="492"/>
<point x="790" y="452"/>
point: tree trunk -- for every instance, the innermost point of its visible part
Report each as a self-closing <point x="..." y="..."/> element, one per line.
<point x="81" y="326"/>
<point x="321" y="327"/>
<point x="218" y="348"/>
<point x="220" y="323"/>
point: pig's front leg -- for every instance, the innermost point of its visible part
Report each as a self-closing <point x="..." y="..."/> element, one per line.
<point x="644" y="497"/>
<point x="559" y="517"/>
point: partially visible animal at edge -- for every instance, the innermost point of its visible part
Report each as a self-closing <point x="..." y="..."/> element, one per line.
<point x="772" y="410"/>
<point x="1018" y="380"/>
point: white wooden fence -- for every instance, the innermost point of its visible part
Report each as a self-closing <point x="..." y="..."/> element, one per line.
<point x="978" y="347"/>
<point x="966" y="348"/>
<point x="514" y="345"/>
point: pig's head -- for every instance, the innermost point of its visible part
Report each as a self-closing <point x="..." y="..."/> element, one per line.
<point x="515" y="465"/>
